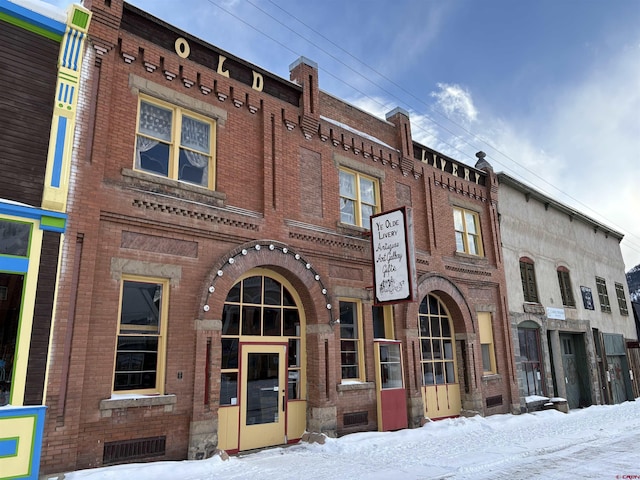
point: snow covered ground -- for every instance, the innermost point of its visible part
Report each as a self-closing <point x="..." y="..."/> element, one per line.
<point x="599" y="442"/>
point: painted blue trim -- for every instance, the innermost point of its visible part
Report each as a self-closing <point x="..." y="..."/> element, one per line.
<point x="14" y="264"/>
<point x="58" y="159"/>
<point x="8" y="447"/>
<point x="71" y="51"/>
<point x="25" y="211"/>
<point x="32" y="17"/>
<point x="35" y="449"/>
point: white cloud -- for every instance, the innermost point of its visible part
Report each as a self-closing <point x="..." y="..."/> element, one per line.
<point x="456" y="102"/>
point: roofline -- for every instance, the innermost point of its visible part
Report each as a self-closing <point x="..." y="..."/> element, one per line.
<point x="548" y="201"/>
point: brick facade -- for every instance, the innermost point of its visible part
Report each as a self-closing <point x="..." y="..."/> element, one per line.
<point x="278" y="154"/>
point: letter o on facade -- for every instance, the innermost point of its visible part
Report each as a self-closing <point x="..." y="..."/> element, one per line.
<point x="182" y="48"/>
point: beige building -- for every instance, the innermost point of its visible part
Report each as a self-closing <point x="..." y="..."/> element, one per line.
<point x="568" y="300"/>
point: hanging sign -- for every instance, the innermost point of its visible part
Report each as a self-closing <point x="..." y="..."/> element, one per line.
<point x="393" y="256"/>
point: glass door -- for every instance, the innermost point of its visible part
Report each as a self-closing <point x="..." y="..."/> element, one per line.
<point x="263" y="395"/>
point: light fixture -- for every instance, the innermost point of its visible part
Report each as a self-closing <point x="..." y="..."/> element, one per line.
<point x="285" y="250"/>
<point x="317" y="277"/>
<point x="308" y="265"/>
<point x="206" y="308"/>
<point x="220" y="273"/>
<point x="244" y="251"/>
<point x="212" y="289"/>
<point x="272" y="246"/>
<point x="257" y="247"/>
<point x="231" y="261"/>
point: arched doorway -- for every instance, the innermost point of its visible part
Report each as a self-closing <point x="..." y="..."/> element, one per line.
<point x="263" y="367"/>
<point x="440" y="386"/>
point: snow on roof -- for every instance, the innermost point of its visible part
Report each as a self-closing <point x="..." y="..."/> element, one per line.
<point x="357" y="132"/>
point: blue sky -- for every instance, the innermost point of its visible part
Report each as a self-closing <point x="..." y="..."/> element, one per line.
<point x="549" y="89"/>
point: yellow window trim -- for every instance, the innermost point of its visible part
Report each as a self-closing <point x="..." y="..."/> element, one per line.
<point x="359" y="341"/>
<point x="486" y="338"/>
<point x="162" y="335"/>
<point x="358" y="199"/>
<point x="465" y="232"/>
<point x="174" y="144"/>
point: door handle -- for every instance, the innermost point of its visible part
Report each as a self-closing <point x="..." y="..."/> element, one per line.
<point x="283" y="403"/>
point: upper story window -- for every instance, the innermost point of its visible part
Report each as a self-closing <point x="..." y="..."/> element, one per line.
<point x="603" y="296"/>
<point x="467" y="226"/>
<point x="622" y="300"/>
<point x="528" y="277"/>
<point x="359" y="198"/>
<point x="175" y="143"/>
<point x="565" y="287"/>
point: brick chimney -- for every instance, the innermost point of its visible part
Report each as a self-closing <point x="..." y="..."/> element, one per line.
<point x="304" y="72"/>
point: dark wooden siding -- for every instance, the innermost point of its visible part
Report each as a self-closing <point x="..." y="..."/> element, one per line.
<point x="28" y="63"/>
<point x="42" y="319"/>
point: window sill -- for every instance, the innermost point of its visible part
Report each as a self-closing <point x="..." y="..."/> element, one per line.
<point x="124" y="401"/>
<point x="171" y="187"/>
<point x="473" y="258"/>
<point x="355" y="385"/>
<point x="491" y="377"/>
<point x="354" y="230"/>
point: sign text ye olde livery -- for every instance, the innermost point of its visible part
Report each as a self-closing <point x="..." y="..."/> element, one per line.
<point x="392" y="256"/>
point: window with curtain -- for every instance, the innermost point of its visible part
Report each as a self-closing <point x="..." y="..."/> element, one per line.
<point x="175" y="143"/>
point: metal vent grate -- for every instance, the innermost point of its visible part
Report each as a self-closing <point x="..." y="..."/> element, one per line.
<point x="494" y="401"/>
<point x="356" y="418"/>
<point x="125" y="450"/>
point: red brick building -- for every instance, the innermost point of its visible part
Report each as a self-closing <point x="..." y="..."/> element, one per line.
<point x="217" y="283"/>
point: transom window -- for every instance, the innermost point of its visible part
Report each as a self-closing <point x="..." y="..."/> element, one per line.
<point x="259" y="306"/>
<point x="175" y="143"/>
<point x="358" y="198"/>
<point x="603" y="296"/>
<point x="565" y="287"/>
<point x="528" y="277"/>
<point x="622" y="300"/>
<point x="351" y="354"/>
<point x="436" y="342"/>
<point x="467" y="227"/>
<point x="141" y="344"/>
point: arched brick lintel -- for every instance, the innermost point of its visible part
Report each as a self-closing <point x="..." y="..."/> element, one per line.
<point x="281" y="259"/>
<point x="453" y="298"/>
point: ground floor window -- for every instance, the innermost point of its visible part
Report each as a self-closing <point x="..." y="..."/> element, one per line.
<point x="141" y="343"/>
<point x="436" y="342"/>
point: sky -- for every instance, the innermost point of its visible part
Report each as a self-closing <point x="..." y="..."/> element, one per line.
<point x="599" y="442"/>
<point x="549" y="89"/>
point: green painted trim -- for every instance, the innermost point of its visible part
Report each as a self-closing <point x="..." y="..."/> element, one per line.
<point x="80" y="18"/>
<point x="55" y="222"/>
<point x="30" y="27"/>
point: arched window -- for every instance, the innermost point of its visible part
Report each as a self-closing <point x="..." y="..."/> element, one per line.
<point x="259" y="306"/>
<point x="436" y="342"/>
<point x="528" y="277"/>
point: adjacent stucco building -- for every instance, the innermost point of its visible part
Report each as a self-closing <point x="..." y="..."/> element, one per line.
<point x="568" y="300"/>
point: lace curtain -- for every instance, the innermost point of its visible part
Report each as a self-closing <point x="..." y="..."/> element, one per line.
<point x="195" y="135"/>
<point x="155" y="122"/>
